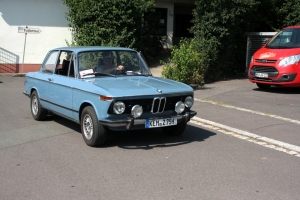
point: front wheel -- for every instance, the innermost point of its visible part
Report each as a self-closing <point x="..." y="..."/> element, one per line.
<point x="263" y="86"/>
<point x="175" y="130"/>
<point x="37" y="111"/>
<point x="93" y="133"/>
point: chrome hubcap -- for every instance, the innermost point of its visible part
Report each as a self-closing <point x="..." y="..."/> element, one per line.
<point x="88" y="127"/>
<point x="34" y="105"/>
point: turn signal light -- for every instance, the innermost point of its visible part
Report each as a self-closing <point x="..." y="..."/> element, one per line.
<point x="105" y="98"/>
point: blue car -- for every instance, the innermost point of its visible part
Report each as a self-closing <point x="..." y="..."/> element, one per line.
<point x="107" y="89"/>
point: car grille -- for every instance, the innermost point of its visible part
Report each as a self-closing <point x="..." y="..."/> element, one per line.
<point x="154" y="105"/>
<point x="265" y="61"/>
<point x="270" y="70"/>
<point x="158" y="105"/>
<point x="264" y="69"/>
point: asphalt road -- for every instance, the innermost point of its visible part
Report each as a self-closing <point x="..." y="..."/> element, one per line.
<point x="49" y="159"/>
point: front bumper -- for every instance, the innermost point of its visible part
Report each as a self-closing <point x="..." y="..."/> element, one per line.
<point x="25" y="93"/>
<point x="282" y="78"/>
<point x="131" y="123"/>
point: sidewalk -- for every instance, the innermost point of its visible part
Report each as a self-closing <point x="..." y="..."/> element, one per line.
<point x="156" y="71"/>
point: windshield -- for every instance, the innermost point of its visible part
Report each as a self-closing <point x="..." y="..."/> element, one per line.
<point x="287" y="38"/>
<point x="111" y="63"/>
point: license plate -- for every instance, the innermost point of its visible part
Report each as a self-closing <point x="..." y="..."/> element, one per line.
<point x="153" y="123"/>
<point x="261" y="75"/>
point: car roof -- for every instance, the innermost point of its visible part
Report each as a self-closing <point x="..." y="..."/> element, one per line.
<point x="298" y="26"/>
<point x="78" y="49"/>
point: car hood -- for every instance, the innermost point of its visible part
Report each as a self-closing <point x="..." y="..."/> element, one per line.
<point x="275" y="54"/>
<point x="139" y="85"/>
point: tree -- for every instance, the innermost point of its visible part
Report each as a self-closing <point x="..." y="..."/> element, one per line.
<point x="112" y="23"/>
<point x="289" y="12"/>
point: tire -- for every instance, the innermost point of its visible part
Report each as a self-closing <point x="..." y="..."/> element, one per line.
<point x="175" y="130"/>
<point x="263" y="86"/>
<point x="37" y="111"/>
<point x="93" y="133"/>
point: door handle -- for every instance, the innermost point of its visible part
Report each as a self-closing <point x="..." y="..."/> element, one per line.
<point x="50" y="79"/>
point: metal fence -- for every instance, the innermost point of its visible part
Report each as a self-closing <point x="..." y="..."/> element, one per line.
<point x="9" y="62"/>
<point x="255" y="40"/>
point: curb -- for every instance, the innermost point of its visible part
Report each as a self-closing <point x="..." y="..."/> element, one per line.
<point x="13" y="74"/>
<point x="263" y="141"/>
<point x="19" y="75"/>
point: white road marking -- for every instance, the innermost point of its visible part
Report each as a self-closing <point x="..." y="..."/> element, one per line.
<point x="264" y="141"/>
<point x="250" y="111"/>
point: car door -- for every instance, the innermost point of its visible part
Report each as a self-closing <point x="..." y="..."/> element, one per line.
<point x="62" y="83"/>
<point x="45" y="78"/>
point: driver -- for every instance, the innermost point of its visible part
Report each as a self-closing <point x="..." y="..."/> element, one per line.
<point x="106" y="65"/>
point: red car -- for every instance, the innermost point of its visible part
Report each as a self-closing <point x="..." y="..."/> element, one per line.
<point x="277" y="62"/>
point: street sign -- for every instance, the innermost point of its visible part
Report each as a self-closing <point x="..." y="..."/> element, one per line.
<point x="29" y="30"/>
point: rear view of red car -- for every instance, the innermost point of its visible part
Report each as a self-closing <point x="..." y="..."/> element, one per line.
<point x="277" y="62"/>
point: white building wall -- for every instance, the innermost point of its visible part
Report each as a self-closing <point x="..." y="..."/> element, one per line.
<point x="47" y="15"/>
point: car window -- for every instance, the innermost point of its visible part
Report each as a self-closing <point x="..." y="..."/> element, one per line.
<point x="88" y="60"/>
<point x="51" y="62"/>
<point x="130" y="59"/>
<point x="64" y="64"/>
<point x="101" y="63"/>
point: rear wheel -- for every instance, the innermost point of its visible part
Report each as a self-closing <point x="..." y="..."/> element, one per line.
<point x="93" y="133"/>
<point x="37" y="111"/>
<point x="263" y="86"/>
<point x="175" y="130"/>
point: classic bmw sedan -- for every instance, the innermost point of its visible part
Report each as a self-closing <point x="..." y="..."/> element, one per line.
<point x="107" y="89"/>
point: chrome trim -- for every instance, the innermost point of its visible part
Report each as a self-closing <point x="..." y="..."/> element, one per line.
<point x="159" y="99"/>
<point x="26" y="94"/>
<point x="129" y="123"/>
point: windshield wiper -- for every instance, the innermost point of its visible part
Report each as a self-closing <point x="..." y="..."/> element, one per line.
<point x="99" y="74"/>
<point x="279" y="47"/>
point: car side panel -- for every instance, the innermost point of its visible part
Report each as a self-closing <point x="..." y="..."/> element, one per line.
<point x="91" y="96"/>
<point x="61" y="94"/>
<point x="39" y="82"/>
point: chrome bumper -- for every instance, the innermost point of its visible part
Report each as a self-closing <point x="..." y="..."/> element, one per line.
<point x="25" y="93"/>
<point x="131" y="123"/>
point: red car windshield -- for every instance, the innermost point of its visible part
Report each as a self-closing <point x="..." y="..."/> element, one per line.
<point x="285" y="39"/>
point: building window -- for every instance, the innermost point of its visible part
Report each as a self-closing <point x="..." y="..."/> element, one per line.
<point x="162" y="13"/>
<point x="157" y="21"/>
<point x="183" y="24"/>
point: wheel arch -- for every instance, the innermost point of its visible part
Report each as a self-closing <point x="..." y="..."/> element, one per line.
<point x="32" y="90"/>
<point x="82" y="106"/>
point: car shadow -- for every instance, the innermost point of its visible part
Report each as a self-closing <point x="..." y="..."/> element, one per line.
<point x="143" y="139"/>
<point x="278" y="89"/>
<point x="64" y="122"/>
<point x="155" y="138"/>
<point x="202" y="87"/>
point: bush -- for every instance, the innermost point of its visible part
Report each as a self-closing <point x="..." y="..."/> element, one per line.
<point x="186" y="64"/>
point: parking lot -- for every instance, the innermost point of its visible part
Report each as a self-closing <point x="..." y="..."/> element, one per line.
<point x="216" y="157"/>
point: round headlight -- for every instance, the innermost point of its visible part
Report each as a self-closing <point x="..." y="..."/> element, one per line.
<point x="189" y="101"/>
<point x="119" y="107"/>
<point x="179" y="107"/>
<point x="137" y="111"/>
